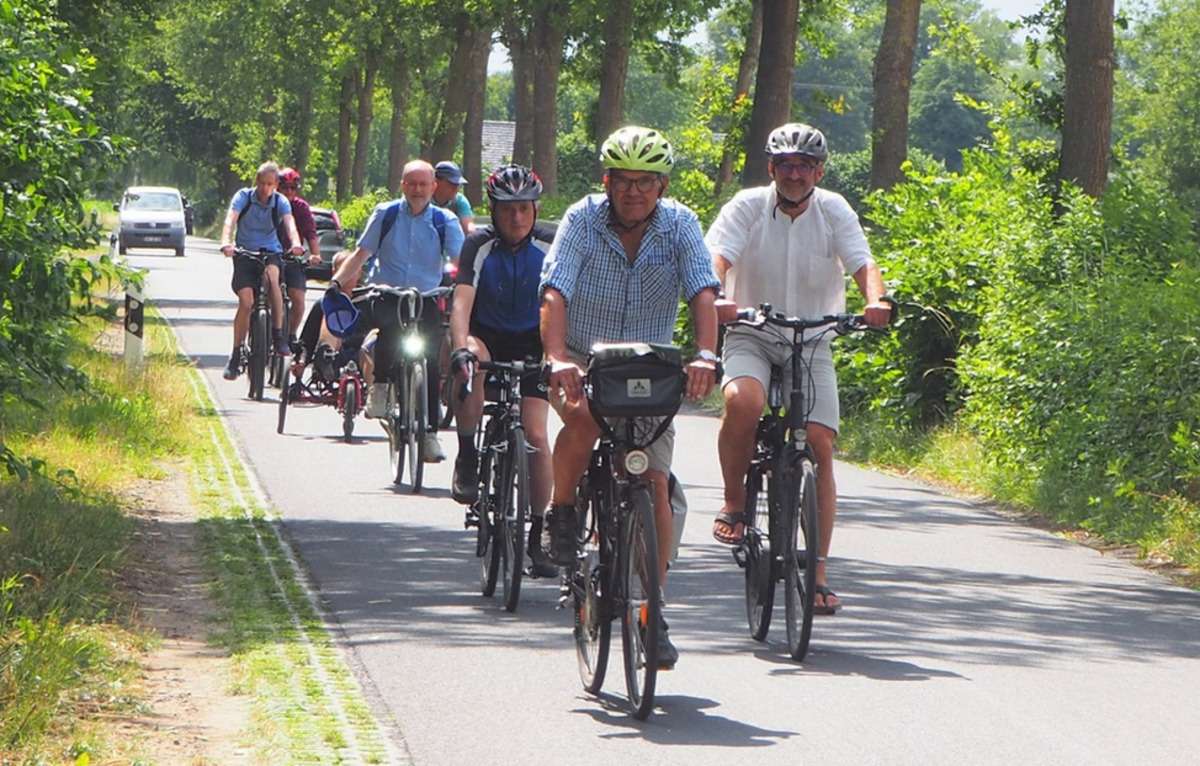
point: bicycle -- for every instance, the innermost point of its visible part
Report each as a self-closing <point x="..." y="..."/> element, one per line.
<point x="256" y="357"/>
<point x="781" y="486"/>
<point x="503" y="507"/>
<point x="616" y="572"/>
<point x="407" y="407"/>
<point x="279" y="360"/>
<point x="330" y="384"/>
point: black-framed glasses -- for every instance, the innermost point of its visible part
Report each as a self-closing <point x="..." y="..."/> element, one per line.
<point x="796" y="167"/>
<point x="644" y="184"/>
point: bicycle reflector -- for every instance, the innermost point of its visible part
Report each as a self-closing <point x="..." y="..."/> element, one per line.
<point x="340" y="314"/>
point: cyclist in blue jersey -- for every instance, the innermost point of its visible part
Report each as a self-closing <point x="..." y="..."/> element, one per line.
<point x="495" y="317"/>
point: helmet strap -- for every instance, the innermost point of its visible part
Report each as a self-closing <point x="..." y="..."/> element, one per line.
<point x="790" y="206"/>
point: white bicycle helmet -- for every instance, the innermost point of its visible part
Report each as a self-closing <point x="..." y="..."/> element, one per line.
<point x="797" y="138"/>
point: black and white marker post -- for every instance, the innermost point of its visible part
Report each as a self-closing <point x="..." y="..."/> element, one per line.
<point x="135" y="310"/>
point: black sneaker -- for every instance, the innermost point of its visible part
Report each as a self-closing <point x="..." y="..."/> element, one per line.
<point x="280" y="343"/>
<point x="464" y="487"/>
<point x="540" y="565"/>
<point x="234" y="368"/>
<point x="560" y="520"/>
<point x="668" y="655"/>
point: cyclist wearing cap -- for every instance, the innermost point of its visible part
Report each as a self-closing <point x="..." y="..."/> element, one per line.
<point x="256" y="214"/>
<point x="293" y="271"/>
<point x="496" y="317"/>
<point x="617" y="268"/>
<point x="448" y="179"/>
<point x="789" y="244"/>
<point x="411" y="238"/>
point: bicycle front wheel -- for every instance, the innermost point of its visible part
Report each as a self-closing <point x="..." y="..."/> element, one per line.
<point x="417" y="409"/>
<point x="350" y="399"/>
<point x="259" y="334"/>
<point x="590" y="584"/>
<point x="486" y="546"/>
<point x="514" y="504"/>
<point x="800" y="558"/>
<point x="760" y="584"/>
<point x="394" y="423"/>
<point x="639" y="591"/>
<point x="284" y="395"/>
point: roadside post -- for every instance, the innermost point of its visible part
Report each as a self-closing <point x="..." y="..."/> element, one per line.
<point x="135" y="310"/>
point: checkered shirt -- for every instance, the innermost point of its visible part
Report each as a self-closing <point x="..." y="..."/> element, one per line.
<point x="608" y="298"/>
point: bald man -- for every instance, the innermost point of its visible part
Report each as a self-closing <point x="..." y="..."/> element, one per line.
<point x="411" y="239"/>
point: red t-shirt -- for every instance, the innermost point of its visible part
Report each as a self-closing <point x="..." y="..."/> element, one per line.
<point x="306" y="225"/>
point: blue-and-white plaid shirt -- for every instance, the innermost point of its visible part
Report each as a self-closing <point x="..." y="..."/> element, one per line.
<point x="610" y="299"/>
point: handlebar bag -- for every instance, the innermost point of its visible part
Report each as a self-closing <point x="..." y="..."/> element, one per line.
<point x="635" y="379"/>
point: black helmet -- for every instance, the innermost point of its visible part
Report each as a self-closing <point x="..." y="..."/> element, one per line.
<point x="797" y="138"/>
<point x="513" y="183"/>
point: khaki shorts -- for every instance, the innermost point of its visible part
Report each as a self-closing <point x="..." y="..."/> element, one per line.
<point x="751" y="353"/>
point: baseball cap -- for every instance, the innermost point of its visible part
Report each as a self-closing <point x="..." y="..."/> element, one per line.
<point x="450" y="171"/>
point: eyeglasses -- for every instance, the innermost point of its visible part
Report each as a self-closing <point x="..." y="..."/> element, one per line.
<point x="796" y="167"/>
<point x="644" y="184"/>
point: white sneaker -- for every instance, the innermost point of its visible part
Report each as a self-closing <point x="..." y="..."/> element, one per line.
<point x="433" y="449"/>
<point x="377" y="400"/>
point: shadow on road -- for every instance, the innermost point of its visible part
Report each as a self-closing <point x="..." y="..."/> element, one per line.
<point x="690" y="725"/>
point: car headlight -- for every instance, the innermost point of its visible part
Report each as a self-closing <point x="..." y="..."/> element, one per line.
<point x="413" y="345"/>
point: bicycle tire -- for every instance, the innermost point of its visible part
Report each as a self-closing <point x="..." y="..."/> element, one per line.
<point x="393" y="423"/>
<point x="486" y="547"/>
<point x="418" y="418"/>
<point x="800" y="566"/>
<point x="258" y="354"/>
<point x="637" y="559"/>
<point x="284" y="397"/>
<point x="447" y="397"/>
<point x="349" y="407"/>
<point x="516" y="511"/>
<point x="590" y="585"/>
<point x="760" y="584"/>
<point x="278" y="363"/>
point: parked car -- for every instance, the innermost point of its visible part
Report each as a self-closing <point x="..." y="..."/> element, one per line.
<point x="151" y="216"/>
<point x="332" y="238"/>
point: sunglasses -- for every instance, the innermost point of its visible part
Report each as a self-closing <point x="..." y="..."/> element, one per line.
<point x="288" y="186"/>
<point x="644" y="184"/>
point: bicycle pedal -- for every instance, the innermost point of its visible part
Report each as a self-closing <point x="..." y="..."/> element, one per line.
<point x="741" y="556"/>
<point x="470" y="519"/>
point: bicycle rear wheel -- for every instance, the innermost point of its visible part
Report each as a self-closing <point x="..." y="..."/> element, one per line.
<point x="283" y="397"/>
<point x="800" y="559"/>
<point x="417" y="409"/>
<point x="514" y="505"/>
<point x="760" y="584"/>
<point x="591" y="586"/>
<point x="487" y="548"/>
<point x="259" y="335"/>
<point x="637" y="559"/>
<point x="350" y="399"/>
<point x="394" y="424"/>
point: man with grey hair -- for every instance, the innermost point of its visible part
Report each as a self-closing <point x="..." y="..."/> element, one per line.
<point x="411" y="239"/>
<point x="257" y="213"/>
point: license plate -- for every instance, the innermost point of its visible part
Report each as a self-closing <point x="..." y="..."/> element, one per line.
<point x="154" y="239"/>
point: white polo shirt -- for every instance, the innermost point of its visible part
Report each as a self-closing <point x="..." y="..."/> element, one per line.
<point x="798" y="266"/>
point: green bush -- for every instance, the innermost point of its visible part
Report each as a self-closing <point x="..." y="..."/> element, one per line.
<point x="354" y="213"/>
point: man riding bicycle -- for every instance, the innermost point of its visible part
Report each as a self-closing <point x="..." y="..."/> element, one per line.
<point x="411" y="239"/>
<point x="789" y="244"/>
<point x="615" y="272"/>
<point x="257" y="214"/>
<point x="495" y="317"/>
<point x="293" y="271"/>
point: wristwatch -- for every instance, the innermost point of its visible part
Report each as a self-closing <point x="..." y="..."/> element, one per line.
<point x="707" y="356"/>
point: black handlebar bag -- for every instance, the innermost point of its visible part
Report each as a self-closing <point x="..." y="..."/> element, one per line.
<point x="635" y="379"/>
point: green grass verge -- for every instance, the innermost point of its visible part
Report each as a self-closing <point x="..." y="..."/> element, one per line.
<point x="68" y="653"/>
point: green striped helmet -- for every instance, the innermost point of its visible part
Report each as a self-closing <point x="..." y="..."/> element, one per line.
<point x="635" y="148"/>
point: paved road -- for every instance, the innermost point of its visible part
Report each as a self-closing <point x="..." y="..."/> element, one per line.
<point x="966" y="638"/>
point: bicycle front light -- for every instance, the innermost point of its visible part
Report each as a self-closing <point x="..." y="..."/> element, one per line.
<point x="636" y="462"/>
<point x="413" y="345"/>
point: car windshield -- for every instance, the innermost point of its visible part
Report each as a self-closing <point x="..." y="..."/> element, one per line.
<point x="152" y="201"/>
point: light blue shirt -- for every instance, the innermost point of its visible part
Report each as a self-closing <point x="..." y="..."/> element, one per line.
<point x="256" y="227"/>
<point x="413" y="252"/>
<point x="610" y="299"/>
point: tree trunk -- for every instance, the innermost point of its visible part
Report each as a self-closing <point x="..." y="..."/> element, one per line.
<point x="473" y="125"/>
<point x="521" y="51"/>
<point x="366" y="110"/>
<point x="345" y="121"/>
<point x="398" y="141"/>
<point x="304" y="118"/>
<point x="1088" y="95"/>
<point x="456" y="94"/>
<point x="548" y="54"/>
<point x="772" y="86"/>
<point x="893" y="83"/>
<point x="741" y="90"/>
<point x="270" y="144"/>
<point x="614" y="65"/>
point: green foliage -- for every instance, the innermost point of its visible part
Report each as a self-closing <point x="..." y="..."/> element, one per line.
<point x="354" y="214"/>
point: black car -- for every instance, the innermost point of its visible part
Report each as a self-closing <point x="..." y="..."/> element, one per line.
<point x="331" y="237"/>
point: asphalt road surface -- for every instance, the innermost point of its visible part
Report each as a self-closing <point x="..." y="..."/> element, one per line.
<point x="965" y="638"/>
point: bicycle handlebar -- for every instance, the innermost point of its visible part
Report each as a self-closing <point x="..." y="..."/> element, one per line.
<point x="842" y="324"/>
<point x="262" y="255"/>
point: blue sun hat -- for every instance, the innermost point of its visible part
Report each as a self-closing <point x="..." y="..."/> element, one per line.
<point x="341" y="315"/>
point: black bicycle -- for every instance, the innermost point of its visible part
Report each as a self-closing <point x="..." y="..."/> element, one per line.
<point x="503" y="507"/>
<point x="633" y="391"/>
<point x="256" y="357"/>
<point x="781" y="484"/>
<point x="279" y="359"/>
<point x="400" y="361"/>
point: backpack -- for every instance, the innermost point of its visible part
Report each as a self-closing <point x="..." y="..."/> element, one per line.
<point x="393" y="210"/>
<point x="274" y="207"/>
